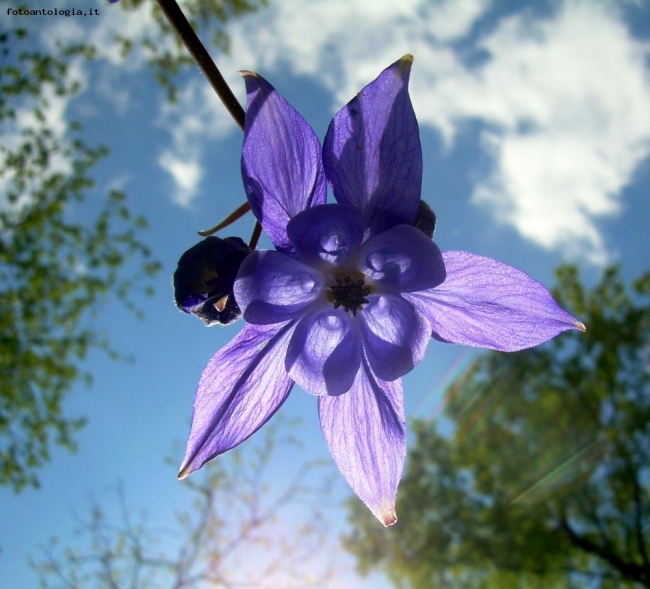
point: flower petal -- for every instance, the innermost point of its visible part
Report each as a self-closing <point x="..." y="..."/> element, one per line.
<point x="281" y="160"/>
<point x="402" y="259"/>
<point x="365" y="433"/>
<point x="395" y="336"/>
<point x="326" y="233"/>
<point x="324" y="353"/>
<point x="487" y="304"/>
<point x="240" y="389"/>
<point x="372" y="153"/>
<point x="272" y="287"/>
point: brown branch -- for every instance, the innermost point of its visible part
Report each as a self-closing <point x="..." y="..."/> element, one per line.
<point x="255" y="237"/>
<point x="185" y="31"/>
<point x="638" y="520"/>
<point x="629" y="570"/>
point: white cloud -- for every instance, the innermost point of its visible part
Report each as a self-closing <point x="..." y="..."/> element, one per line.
<point x="193" y="120"/>
<point x="564" y="98"/>
<point x="196" y="118"/>
<point x="133" y="24"/>
<point x="187" y="174"/>
<point x="345" y="44"/>
<point x="567" y="102"/>
<point x="111" y="67"/>
<point x="450" y="20"/>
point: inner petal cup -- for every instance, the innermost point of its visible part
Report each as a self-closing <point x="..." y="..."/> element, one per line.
<point x="395" y="336"/>
<point x="272" y="287"/>
<point x="402" y="259"/>
<point x="326" y="234"/>
<point x="324" y="353"/>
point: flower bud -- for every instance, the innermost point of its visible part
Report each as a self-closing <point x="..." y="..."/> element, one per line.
<point x="204" y="279"/>
<point x="425" y="220"/>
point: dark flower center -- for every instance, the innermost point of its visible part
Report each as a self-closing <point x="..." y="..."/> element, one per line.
<point x="349" y="291"/>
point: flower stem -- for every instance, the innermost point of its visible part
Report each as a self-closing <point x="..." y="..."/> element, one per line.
<point x="185" y="31"/>
<point x="177" y="20"/>
<point x="257" y="231"/>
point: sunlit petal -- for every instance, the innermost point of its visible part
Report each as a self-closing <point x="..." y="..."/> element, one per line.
<point x="241" y="388"/>
<point x="365" y="433"/>
<point x="487" y="304"/>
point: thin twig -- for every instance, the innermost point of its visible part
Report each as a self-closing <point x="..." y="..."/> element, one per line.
<point x="257" y="231"/>
<point x="239" y="212"/>
<point x="185" y="31"/>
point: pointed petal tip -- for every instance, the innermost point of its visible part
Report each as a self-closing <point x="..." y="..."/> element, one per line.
<point x="404" y="64"/>
<point x="184" y="472"/>
<point x="248" y="74"/>
<point x="387" y="516"/>
<point x="580" y="325"/>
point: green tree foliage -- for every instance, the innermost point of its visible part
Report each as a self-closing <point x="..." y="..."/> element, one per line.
<point x="209" y="19"/>
<point x="544" y="479"/>
<point x="59" y="259"/>
<point x="62" y="255"/>
<point x="236" y="533"/>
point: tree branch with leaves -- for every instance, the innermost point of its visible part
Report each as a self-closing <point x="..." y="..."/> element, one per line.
<point x="236" y="533"/>
<point x="543" y="481"/>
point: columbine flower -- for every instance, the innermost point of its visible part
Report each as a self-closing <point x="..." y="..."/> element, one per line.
<point x="354" y="292"/>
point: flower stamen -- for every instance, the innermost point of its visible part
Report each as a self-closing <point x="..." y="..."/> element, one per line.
<point x="349" y="291"/>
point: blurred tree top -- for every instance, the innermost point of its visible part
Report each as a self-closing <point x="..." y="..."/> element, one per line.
<point x="208" y="18"/>
<point x="236" y="533"/>
<point x="545" y="479"/>
<point x="64" y="250"/>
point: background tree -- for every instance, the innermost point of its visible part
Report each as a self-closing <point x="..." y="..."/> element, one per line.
<point x="231" y="535"/>
<point x="544" y="478"/>
<point x="166" y="53"/>
<point x="54" y="269"/>
<point x="63" y="248"/>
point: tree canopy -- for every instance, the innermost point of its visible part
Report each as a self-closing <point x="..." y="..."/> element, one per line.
<point x="208" y="18"/>
<point x="236" y="531"/>
<point x="544" y="478"/>
<point x="64" y="248"/>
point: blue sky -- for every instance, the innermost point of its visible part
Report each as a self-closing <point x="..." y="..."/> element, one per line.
<point x="535" y="127"/>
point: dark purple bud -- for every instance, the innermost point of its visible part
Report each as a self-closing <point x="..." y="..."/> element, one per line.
<point x="204" y="279"/>
<point x="425" y="220"/>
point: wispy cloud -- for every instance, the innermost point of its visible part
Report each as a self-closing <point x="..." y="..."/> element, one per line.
<point x="450" y="20"/>
<point x="112" y="74"/>
<point x="345" y="44"/>
<point x="563" y="100"/>
<point x="186" y="173"/>
<point x="195" y="120"/>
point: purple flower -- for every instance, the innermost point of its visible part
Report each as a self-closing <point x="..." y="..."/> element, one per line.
<point x="350" y="298"/>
